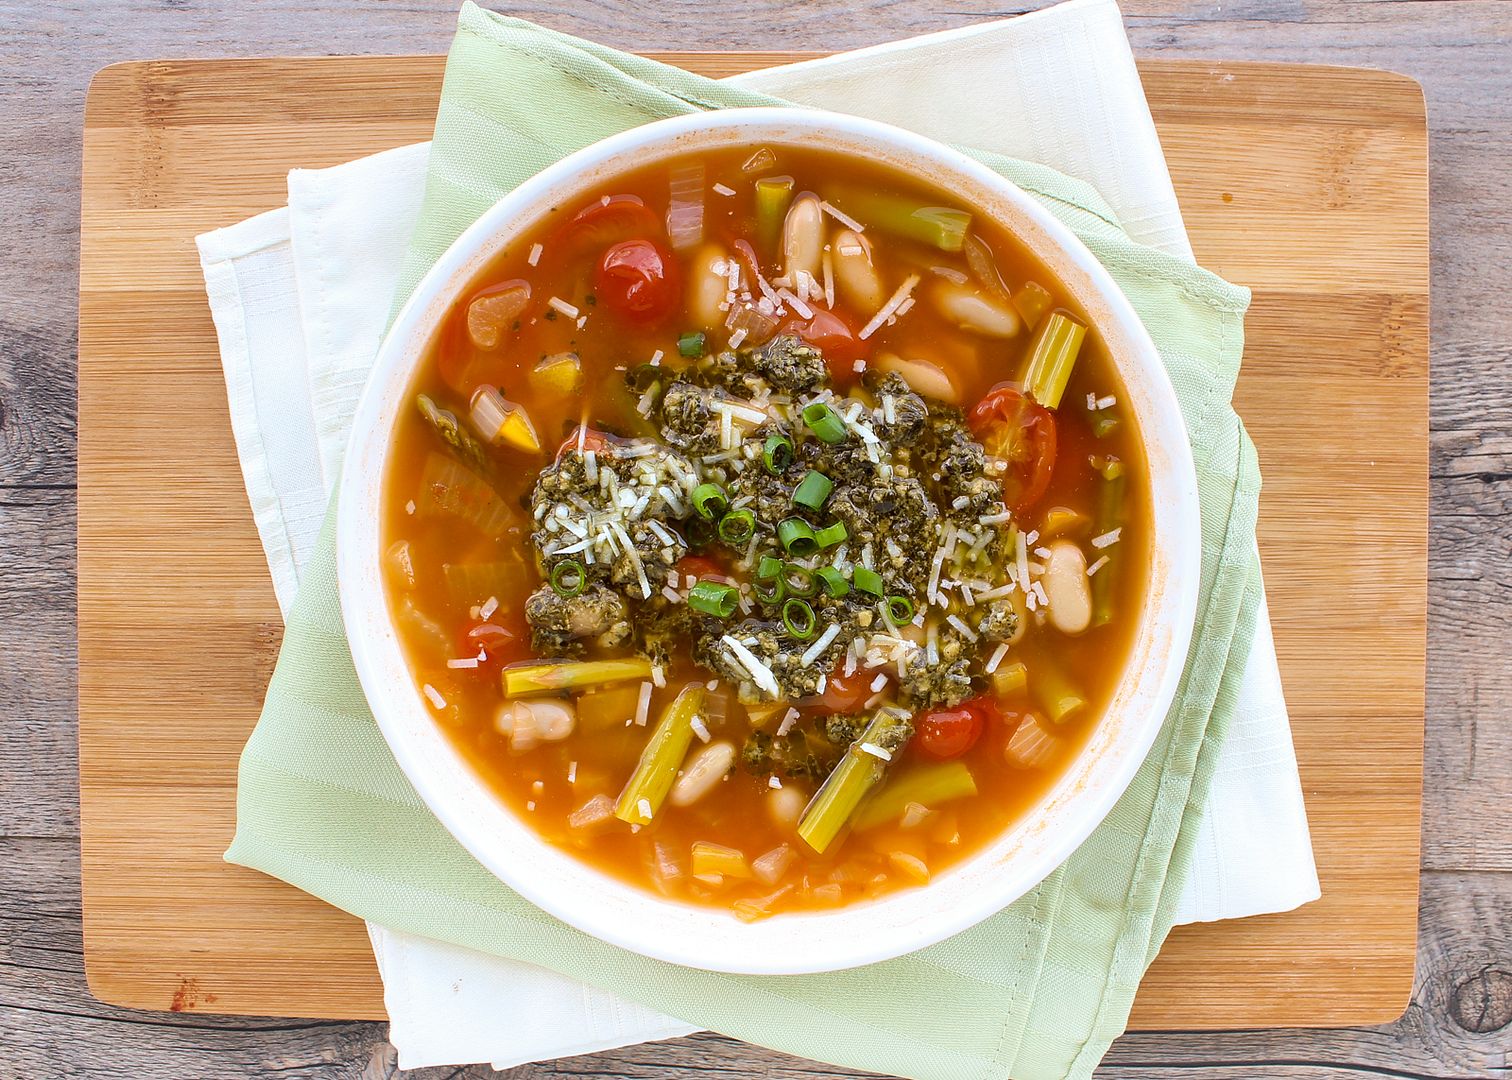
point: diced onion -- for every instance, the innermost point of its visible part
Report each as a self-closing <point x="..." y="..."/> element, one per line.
<point x="685" y="211"/>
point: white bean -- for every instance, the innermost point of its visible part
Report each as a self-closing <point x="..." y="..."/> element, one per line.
<point x="969" y="309"/>
<point x="856" y="277"/>
<point x="702" y="773"/>
<point x="921" y="376"/>
<point x="529" y="723"/>
<point x="785" y="805"/>
<point x="707" y="287"/>
<point x="802" y="238"/>
<point x="1067" y="588"/>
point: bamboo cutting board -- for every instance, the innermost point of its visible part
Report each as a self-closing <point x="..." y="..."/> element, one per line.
<point x="1307" y="184"/>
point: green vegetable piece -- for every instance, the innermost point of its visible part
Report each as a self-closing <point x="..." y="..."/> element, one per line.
<point x="831" y="534"/>
<point x="1057" y="695"/>
<point x="798" y="618"/>
<point x="1051" y="359"/>
<point x="710" y="501"/>
<point x="860" y="770"/>
<point x="691" y="344"/>
<point x="656" y="771"/>
<point x="777" y="455"/>
<point x="548" y="678"/>
<point x="900" y="610"/>
<point x="928" y="785"/>
<point x="833" y="581"/>
<point x="454" y="434"/>
<point x="813" y="491"/>
<point x="1109" y="516"/>
<point x="718" y="598"/>
<point x="824" y="422"/>
<point x="867" y="581"/>
<point x="568" y="578"/>
<point x="768" y="567"/>
<point x="773" y="195"/>
<point x="737" y="526"/>
<point x="943" y="227"/>
<point x="1104" y="424"/>
<point x="797" y="537"/>
<point x="799" y="580"/>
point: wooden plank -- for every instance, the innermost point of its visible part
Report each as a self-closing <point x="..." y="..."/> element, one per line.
<point x="1308" y="184"/>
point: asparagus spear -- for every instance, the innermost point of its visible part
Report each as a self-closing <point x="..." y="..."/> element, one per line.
<point x="1109" y="517"/>
<point x="929" y="785"/>
<point x="1052" y="358"/>
<point x="454" y="434"/>
<point x="654" y="775"/>
<point x="557" y="675"/>
<point x="862" y="767"/>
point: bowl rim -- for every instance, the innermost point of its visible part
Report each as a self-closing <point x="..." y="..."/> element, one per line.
<point x="710" y="938"/>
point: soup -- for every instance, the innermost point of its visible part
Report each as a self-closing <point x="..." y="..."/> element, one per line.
<point x="768" y="529"/>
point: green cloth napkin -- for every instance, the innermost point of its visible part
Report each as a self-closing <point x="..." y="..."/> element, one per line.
<point x="1036" y="992"/>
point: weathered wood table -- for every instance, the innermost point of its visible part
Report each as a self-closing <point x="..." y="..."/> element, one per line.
<point x="1460" y="1021"/>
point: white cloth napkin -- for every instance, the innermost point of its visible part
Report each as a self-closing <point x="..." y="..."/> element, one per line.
<point x="300" y="297"/>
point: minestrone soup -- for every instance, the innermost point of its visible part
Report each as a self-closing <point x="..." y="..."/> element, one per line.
<point x="767" y="529"/>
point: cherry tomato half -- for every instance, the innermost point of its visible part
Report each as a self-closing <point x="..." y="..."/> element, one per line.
<point x="845" y="693"/>
<point x="605" y="222"/>
<point x="1021" y="432"/>
<point x="638" y="280"/>
<point x="831" y="335"/>
<point x="948" y="733"/>
<point x="504" y="639"/>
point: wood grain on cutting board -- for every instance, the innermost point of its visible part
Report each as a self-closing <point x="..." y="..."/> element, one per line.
<point x="1306" y="184"/>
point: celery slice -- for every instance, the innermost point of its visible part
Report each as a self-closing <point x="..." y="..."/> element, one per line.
<point x="1052" y="358"/>
<point x="656" y="771"/>
<point x="1109" y="517"/>
<point x="943" y="227"/>
<point x="928" y="785"/>
<point x="859" y="771"/>
<point x="773" y="194"/>
<point x="548" y="678"/>
<point x="1055" y="691"/>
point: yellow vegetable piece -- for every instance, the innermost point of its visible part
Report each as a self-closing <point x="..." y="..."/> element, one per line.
<point x="560" y="374"/>
<point x="709" y="858"/>
<point x="1009" y="679"/>
<point x="607" y="708"/>
<point x="517" y="431"/>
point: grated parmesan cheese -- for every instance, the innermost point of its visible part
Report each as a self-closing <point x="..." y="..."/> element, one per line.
<point x="903" y="292"/>
<point x="1107" y="538"/>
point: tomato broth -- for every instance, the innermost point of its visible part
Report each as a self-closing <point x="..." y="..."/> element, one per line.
<point x="770" y="529"/>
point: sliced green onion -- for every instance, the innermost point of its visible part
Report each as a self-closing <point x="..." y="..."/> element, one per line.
<point x="737" y="526"/>
<point x="824" y="422"/>
<point x="568" y="578"/>
<point x="831" y="534"/>
<point x="813" y="491"/>
<point x="833" y="580"/>
<point x="900" y="610"/>
<point x="799" y="619"/>
<point x="797" y="537"/>
<point x="769" y="567"/>
<point x="1053" y="356"/>
<point x="777" y="455"/>
<point x="1104" y="424"/>
<point x="691" y="344"/>
<point x="768" y="590"/>
<point x="710" y="501"/>
<point x="799" y="580"/>
<point x="867" y="581"/>
<point x="714" y="598"/>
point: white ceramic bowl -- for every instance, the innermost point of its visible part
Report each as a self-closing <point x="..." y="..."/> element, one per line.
<point x="863" y="933"/>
